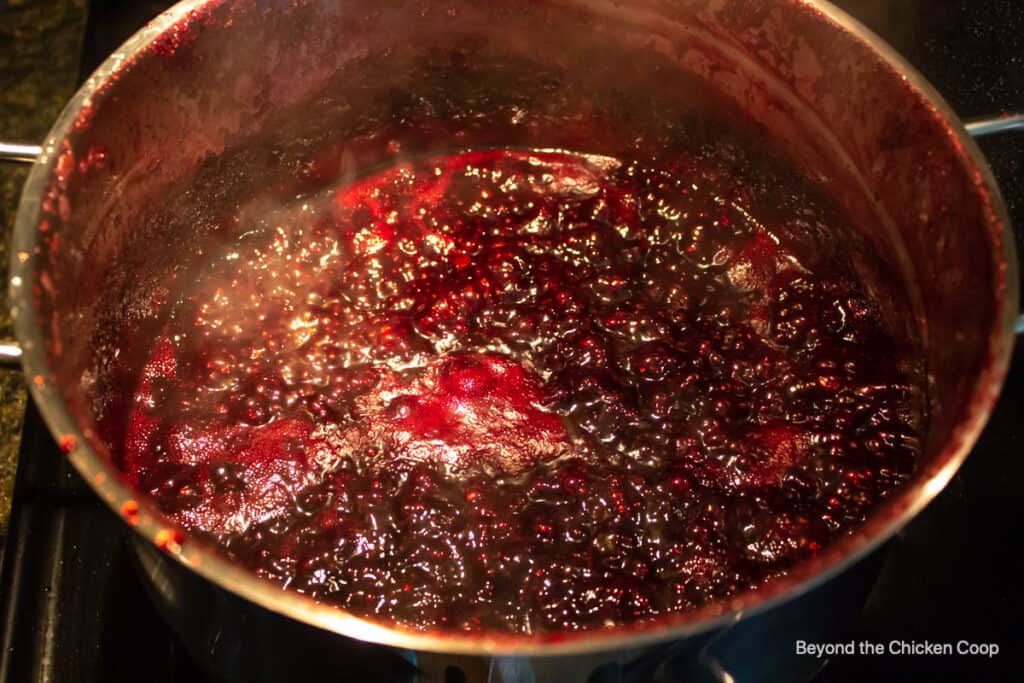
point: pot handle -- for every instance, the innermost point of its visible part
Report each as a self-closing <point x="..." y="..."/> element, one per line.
<point x="10" y="355"/>
<point x="1010" y="122"/>
<point x="19" y="153"/>
<point x="990" y="125"/>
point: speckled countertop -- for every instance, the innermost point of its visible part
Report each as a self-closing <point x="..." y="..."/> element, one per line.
<point x="40" y="45"/>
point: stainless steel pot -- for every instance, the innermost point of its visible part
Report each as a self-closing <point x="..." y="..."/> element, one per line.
<point x="211" y="75"/>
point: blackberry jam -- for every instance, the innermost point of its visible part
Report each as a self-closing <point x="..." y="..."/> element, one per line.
<point x="526" y="391"/>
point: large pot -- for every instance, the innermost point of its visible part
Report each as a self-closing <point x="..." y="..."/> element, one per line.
<point x="208" y="75"/>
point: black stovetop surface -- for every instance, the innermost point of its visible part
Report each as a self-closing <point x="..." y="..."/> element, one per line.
<point x="74" y="610"/>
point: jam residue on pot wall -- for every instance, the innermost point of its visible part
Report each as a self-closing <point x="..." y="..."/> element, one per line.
<point x="524" y="391"/>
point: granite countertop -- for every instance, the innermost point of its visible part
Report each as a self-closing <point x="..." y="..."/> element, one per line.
<point x="40" y="46"/>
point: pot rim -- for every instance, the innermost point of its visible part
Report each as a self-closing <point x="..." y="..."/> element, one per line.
<point x="103" y="477"/>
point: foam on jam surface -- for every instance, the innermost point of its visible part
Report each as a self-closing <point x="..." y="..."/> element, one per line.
<point x="524" y="391"/>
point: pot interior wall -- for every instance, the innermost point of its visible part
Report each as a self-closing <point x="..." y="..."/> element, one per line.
<point x="246" y="102"/>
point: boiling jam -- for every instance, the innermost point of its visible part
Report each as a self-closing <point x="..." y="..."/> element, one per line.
<point x="525" y="391"/>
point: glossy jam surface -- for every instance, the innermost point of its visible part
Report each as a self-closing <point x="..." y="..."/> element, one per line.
<point x="525" y="391"/>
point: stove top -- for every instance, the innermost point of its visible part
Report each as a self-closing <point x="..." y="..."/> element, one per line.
<point x="74" y="608"/>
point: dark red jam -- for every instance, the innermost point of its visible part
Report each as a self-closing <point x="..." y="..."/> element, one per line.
<point x="524" y="391"/>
